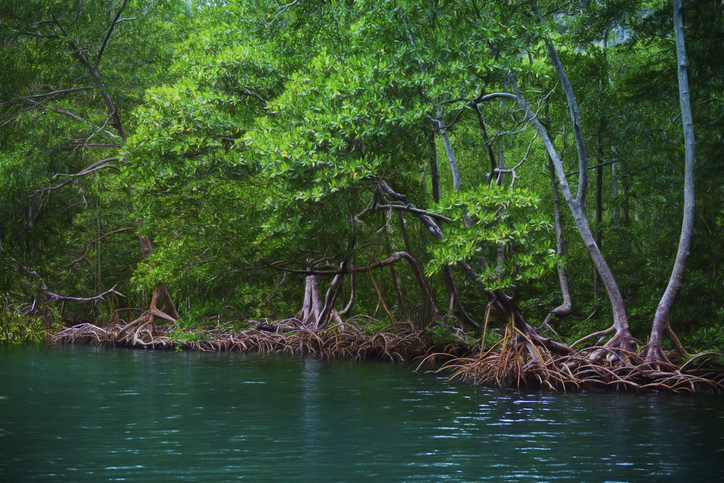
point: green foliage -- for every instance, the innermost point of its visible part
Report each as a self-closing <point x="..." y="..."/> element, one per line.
<point x="66" y="95"/>
<point x="495" y="221"/>
<point x="258" y="136"/>
<point x="180" y="336"/>
<point x="19" y="327"/>
<point x="707" y="339"/>
<point x="443" y="335"/>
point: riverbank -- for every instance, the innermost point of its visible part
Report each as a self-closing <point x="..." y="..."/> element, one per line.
<point x="508" y="363"/>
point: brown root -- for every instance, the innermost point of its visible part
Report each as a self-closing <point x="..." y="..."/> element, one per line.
<point x="524" y="365"/>
<point x="518" y="360"/>
<point x="337" y="341"/>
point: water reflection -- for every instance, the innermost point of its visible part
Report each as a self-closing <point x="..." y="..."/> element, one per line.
<point x="81" y="414"/>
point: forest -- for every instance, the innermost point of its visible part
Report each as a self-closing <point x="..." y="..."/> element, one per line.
<point x="530" y="190"/>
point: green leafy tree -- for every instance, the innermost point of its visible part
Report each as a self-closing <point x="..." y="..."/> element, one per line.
<point x="73" y="72"/>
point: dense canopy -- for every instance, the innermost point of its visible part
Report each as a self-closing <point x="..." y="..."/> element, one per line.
<point x="530" y="165"/>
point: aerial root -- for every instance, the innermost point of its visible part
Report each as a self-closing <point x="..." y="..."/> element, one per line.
<point x="337" y="341"/>
<point x="509" y="363"/>
<point x="518" y="366"/>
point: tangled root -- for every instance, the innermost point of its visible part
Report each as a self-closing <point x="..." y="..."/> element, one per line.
<point x="511" y="363"/>
<point x="139" y="333"/>
<point x="338" y="341"/>
<point x="515" y="366"/>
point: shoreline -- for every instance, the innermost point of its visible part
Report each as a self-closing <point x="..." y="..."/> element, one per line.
<point x="506" y="364"/>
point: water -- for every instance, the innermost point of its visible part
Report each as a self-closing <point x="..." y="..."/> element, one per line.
<point x="87" y="415"/>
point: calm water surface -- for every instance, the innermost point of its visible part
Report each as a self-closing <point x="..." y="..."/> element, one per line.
<point x="86" y="415"/>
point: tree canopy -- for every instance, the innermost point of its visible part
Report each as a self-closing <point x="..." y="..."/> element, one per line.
<point x="527" y="162"/>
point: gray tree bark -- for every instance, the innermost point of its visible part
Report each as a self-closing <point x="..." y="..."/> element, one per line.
<point x="623" y="338"/>
<point x="661" y="318"/>
<point x="567" y="306"/>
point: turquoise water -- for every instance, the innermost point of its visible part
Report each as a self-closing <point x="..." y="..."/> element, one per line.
<point x="86" y="415"/>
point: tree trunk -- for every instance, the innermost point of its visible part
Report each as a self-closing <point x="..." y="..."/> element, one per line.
<point x="449" y="151"/>
<point x="312" y="306"/>
<point x="506" y="306"/>
<point x="499" y="182"/>
<point x="598" y="218"/>
<point x="434" y="174"/>
<point x="567" y="306"/>
<point x="661" y="319"/>
<point x="614" y="192"/>
<point x="456" y="303"/>
<point x="486" y="138"/>
<point x="447" y="274"/>
<point x="623" y="338"/>
<point x="419" y="278"/>
<point x="330" y="299"/>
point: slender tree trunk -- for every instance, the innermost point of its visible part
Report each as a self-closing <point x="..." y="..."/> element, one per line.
<point x="329" y="299"/>
<point x="499" y="182"/>
<point x="623" y="338"/>
<point x="396" y="281"/>
<point x="614" y="192"/>
<point x="598" y="217"/>
<point x="434" y="174"/>
<point x="661" y="319"/>
<point x="92" y="65"/>
<point x="567" y="306"/>
<point x="450" y="285"/>
<point x="486" y="138"/>
<point x="449" y="151"/>
<point x="419" y="278"/>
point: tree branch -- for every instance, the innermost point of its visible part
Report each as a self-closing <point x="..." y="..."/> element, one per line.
<point x="282" y="10"/>
<point x="115" y="22"/>
<point x="94" y="240"/>
<point x="53" y="297"/>
<point x="408" y="208"/>
<point x="94" y="167"/>
<point x="45" y="94"/>
<point x="90" y="169"/>
<point x="425" y="218"/>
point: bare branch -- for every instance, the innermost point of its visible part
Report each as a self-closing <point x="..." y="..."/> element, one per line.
<point x="78" y="118"/>
<point x="93" y="167"/>
<point x="249" y="91"/>
<point x="53" y="297"/>
<point x="71" y="147"/>
<point x="425" y="218"/>
<point x="282" y="10"/>
<point x="512" y="170"/>
<point x="46" y="94"/>
<point x="90" y="169"/>
<point x="408" y="208"/>
<point x="600" y="165"/>
<point x="94" y="240"/>
<point x="108" y="35"/>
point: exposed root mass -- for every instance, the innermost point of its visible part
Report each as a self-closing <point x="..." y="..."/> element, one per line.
<point x="508" y="364"/>
<point x="515" y="367"/>
<point x="334" y="342"/>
